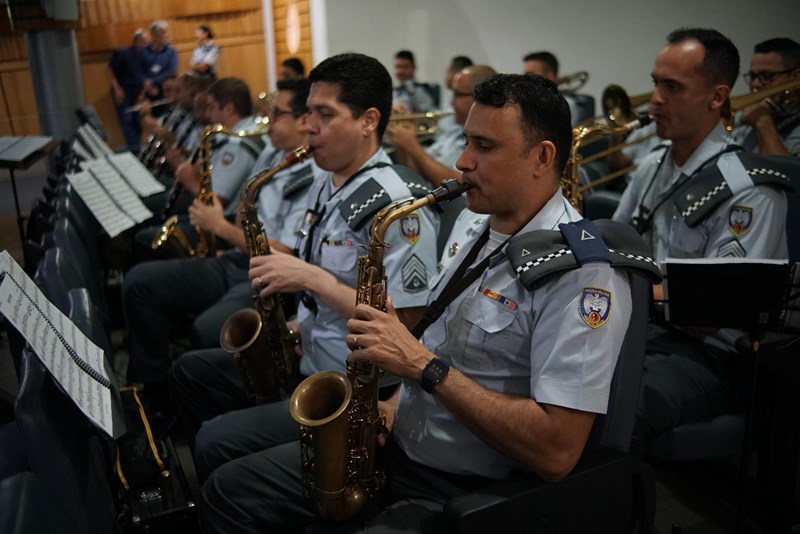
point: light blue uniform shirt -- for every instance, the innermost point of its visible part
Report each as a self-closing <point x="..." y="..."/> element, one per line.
<point x="335" y="248"/>
<point x="529" y="343"/>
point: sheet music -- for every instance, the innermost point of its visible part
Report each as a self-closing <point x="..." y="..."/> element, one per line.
<point x="91" y="135"/>
<point x="71" y="357"/>
<point x="136" y="174"/>
<point x="19" y="148"/>
<point x="113" y="220"/>
<point x="78" y="149"/>
<point x="119" y="190"/>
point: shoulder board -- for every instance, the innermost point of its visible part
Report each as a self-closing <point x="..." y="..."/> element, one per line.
<point x="538" y="255"/>
<point x="698" y="198"/>
<point x="219" y="141"/>
<point x="363" y="203"/>
<point x="298" y="181"/>
<point x="253" y="145"/>
<point x="418" y="185"/>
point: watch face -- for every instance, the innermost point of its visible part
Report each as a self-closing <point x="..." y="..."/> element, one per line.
<point x="436" y="371"/>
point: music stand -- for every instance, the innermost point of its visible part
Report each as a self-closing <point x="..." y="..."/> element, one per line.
<point x="741" y="293"/>
<point x="21" y="153"/>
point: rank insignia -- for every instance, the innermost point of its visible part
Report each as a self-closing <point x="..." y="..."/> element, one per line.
<point x="594" y="306"/>
<point x="227" y="158"/>
<point x="409" y="228"/>
<point x="740" y="218"/>
<point x="507" y="302"/>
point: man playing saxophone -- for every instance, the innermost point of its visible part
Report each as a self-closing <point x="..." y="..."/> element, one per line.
<point x="349" y="106"/>
<point x="228" y="104"/>
<point x="157" y="292"/>
<point x="517" y="394"/>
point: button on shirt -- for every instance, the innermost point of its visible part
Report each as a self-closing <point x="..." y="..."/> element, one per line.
<point x="511" y="340"/>
<point x="335" y="248"/>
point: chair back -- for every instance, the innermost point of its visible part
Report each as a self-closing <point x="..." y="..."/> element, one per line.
<point x="614" y="429"/>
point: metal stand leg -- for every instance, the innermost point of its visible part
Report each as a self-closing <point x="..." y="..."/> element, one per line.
<point x="20" y="218"/>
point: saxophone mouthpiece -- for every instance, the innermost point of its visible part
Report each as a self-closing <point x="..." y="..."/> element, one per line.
<point x="299" y="154"/>
<point x="449" y="190"/>
<point x="642" y="119"/>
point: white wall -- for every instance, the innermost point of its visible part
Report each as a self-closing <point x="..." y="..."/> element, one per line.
<point x="614" y="40"/>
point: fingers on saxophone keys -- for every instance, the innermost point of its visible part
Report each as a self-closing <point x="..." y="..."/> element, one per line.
<point x="352" y="342"/>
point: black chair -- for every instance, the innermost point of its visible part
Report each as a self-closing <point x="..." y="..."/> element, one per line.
<point x="25" y="506"/>
<point x="608" y="491"/>
<point x="66" y="453"/>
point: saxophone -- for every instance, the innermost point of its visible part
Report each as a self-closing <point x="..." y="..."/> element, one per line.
<point x="259" y="338"/>
<point x="170" y="237"/>
<point x="338" y="414"/>
<point x="570" y="186"/>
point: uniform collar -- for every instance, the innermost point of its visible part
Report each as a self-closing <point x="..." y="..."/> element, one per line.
<point x="714" y="143"/>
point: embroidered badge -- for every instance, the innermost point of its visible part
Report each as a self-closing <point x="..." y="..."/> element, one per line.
<point x="507" y="302"/>
<point x="594" y="306"/>
<point x="409" y="228"/>
<point x="415" y="276"/>
<point x="227" y="158"/>
<point x="740" y="218"/>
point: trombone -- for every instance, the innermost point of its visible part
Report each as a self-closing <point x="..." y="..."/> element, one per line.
<point x="427" y="124"/>
<point x="780" y="98"/>
<point x="572" y="82"/>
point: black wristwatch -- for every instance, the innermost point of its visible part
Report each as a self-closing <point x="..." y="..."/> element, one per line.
<point x="433" y="373"/>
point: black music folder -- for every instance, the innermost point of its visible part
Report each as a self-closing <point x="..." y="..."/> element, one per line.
<point x="745" y="293"/>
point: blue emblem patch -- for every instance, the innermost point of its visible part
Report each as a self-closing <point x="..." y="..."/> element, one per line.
<point x="594" y="306"/>
<point x="739" y="219"/>
<point x="409" y="228"/>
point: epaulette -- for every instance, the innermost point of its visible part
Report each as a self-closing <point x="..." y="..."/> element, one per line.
<point x="370" y="197"/>
<point x="364" y="203"/>
<point x="254" y="145"/>
<point x="731" y="174"/>
<point x="538" y="255"/>
<point x="219" y="141"/>
<point x="298" y="181"/>
<point x="418" y="186"/>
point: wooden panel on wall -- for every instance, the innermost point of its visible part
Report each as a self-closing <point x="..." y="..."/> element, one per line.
<point x="21" y="102"/>
<point x="96" y="89"/>
<point x="280" y="10"/>
<point x="5" y="116"/>
<point x="248" y="62"/>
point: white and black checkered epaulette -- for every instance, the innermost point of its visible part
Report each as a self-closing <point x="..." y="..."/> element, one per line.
<point x="254" y="145"/>
<point x="698" y="198"/>
<point x="541" y="254"/>
<point x="362" y="205"/>
<point x="298" y="181"/>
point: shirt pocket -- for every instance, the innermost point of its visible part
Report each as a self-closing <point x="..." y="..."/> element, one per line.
<point x="494" y="335"/>
<point x="686" y="242"/>
<point x="338" y="258"/>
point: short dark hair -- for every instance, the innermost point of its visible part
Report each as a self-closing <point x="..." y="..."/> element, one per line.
<point x="721" y="58"/>
<point x="459" y="63"/>
<point x="405" y="54"/>
<point x="205" y="29"/>
<point x="548" y="58"/>
<point x="295" y="64"/>
<point x="233" y="91"/>
<point x="363" y="83"/>
<point x="544" y="114"/>
<point x="788" y="49"/>
<point x="299" y="88"/>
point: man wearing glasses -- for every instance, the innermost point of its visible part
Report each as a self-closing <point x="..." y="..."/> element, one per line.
<point x="772" y="127"/>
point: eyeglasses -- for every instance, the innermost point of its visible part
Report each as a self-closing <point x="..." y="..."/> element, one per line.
<point x="764" y="76"/>
<point x="278" y="113"/>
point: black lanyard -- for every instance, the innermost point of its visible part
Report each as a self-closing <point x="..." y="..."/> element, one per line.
<point x="642" y="224"/>
<point x="457" y="283"/>
<point x="313" y="218"/>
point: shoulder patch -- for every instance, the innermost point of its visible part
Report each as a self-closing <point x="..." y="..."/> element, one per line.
<point x="594" y="306"/>
<point x="363" y="204"/>
<point x="227" y="158"/>
<point x="740" y="219"/>
<point x="410" y="228"/>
